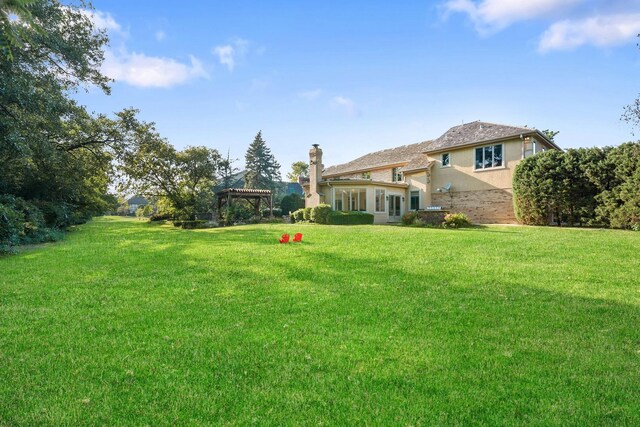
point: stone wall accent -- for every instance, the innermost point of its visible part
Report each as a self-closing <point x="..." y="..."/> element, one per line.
<point x="481" y="206"/>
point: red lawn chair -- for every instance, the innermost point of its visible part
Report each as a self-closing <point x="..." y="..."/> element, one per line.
<point x="297" y="237"/>
<point x="284" y="238"/>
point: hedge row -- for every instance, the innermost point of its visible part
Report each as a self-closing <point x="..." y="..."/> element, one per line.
<point x="586" y="186"/>
<point x="316" y="214"/>
<point x="349" y="218"/>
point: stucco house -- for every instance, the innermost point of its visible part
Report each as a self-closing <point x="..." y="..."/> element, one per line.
<point x="468" y="169"/>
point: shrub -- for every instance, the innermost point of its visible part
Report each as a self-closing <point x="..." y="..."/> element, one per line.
<point x="192" y="224"/>
<point x="291" y="203"/>
<point x="22" y="222"/>
<point x="320" y="213"/>
<point x="456" y="220"/>
<point x="349" y="218"/>
<point x="409" y="218"/>
<point x="307" y="214"/>
<point x="266" y="213"/>
<point x="236" y="213"/>
<point x="10" y="226"/>
<point x="297" y="216"/>
<point x="140" y="213"/>
<point x="160" y="217"/>
<point x="57" y="215"/>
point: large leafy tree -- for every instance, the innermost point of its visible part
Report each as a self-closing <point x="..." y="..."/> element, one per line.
<point x="52" y="149"/>
<point x="15" y="19"/>
<point x="262" y="169"/>
<point x="298" y="169"/>
<point x="182" y="181"/>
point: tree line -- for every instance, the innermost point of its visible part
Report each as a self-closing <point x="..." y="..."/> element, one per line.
<point x="59" y="161"/>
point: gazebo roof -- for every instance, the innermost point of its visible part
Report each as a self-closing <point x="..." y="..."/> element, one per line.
<point x="243" y="192"/>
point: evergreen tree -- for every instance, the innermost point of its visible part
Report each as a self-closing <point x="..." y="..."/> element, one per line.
<point x="227" y="171"/>
<point x="262" y="169"/>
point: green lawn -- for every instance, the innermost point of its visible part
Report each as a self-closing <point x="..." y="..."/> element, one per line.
<point x="130" y="323"/>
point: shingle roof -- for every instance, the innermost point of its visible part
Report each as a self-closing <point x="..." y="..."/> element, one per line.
<point x="475" y="132"/>
<point x="391" y="156"/>
<point x="417" y="163"/>
<point x="137" y="200"/>
<point x="461" y="135"/>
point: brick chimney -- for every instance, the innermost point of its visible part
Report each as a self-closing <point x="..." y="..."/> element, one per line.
<point x="315" y="176"/>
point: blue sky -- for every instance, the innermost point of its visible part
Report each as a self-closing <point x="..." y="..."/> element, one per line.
<point x="359" y="76"/>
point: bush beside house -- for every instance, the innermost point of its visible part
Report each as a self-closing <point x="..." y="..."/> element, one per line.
<point x="323" y="214"/>
<point x="320" y="213"/>
<point x="586" y="186"/>
<point x="349" y="218"/>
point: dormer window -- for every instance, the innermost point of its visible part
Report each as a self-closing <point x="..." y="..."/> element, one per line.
<point x="396" y="175"/>
<point x="446" y="160"/>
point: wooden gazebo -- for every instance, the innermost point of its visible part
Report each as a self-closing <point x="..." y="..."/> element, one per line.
<point x="254" y="196"/>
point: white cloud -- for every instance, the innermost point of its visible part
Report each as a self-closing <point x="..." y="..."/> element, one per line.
<point x="229" y="54"/>
<point x="226" y="55"/>
<point x="310" y="95"/>
<point x="102" y="20"/>
<point x="493" y="15"/>
<point x="598" y="31"/>
<point x="138" y="69"/>
<point x="346" y="104"/>
<point x="160" y="35"/>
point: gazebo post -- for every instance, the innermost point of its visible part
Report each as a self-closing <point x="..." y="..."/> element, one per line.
<point x="271" y="205"/>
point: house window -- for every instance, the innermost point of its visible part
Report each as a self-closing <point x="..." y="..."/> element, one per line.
<point x="338" y="202"/>
<point x="415" y="200"/>
<point x="366" y="175"/>
<point x="529" y="148"/>
<point x="489" y="157"/>
<point x="446" y="158"/>
<point x="396" y="175"/>
<point x="351" y="199"/>
<point x="380" y="201"/>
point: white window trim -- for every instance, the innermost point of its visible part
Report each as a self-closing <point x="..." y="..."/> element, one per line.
<point x="396" y="175"/>
<point x="402" y="207"/>
<point x="492" y="168"/>
<point x="442" y="165"/>
<point x="384" y="200"/>
<point x="358" y="187"/>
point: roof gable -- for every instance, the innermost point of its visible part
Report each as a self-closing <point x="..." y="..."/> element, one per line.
<point x="137" y="200"/>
